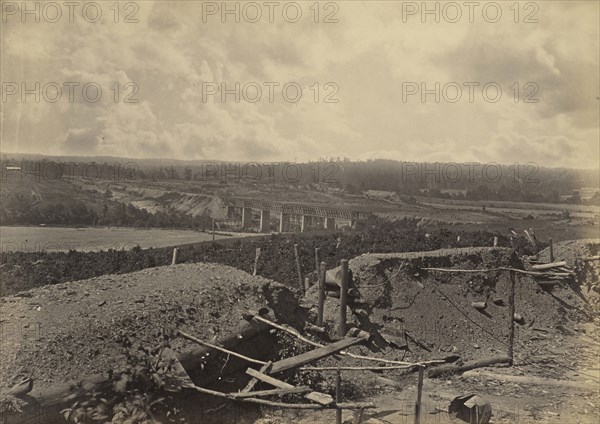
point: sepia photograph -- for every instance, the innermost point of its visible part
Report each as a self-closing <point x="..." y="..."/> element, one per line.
<point x="309" y="211"/>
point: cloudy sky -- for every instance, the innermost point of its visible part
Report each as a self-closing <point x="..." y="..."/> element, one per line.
<point x="361" y="76"/>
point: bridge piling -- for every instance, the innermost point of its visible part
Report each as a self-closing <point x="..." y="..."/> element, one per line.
<point x="246" y="217"/>
<point x="330" y="223"/>
<point x="284" y="222"/>
<point x="265" y="221"/>
<point x="305" y="223"/>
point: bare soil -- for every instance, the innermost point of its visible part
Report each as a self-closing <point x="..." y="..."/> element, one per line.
<point x="62" y="332"/>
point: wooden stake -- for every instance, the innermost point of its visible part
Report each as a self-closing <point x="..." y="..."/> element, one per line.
<point x="551" y="251"/>
<point x="511" y="315"/>
<point x="392" y="367"/>
<point x="222" y="349"/>
<point x="320" y="398"/>
<point x="264" y="369"/>
<point x="419" y="395"/>
<point x="358" y="415"/>
<point x="495" y="241"/>
<point x="338" y="396"/>
<point x="343" y="296"/>
<point x="321" y="294"/>
<point x="449" y="369"/>
<point x="271" y="392"/>
<point x="256" y="257"/>
<point x="299" y="269"/>
<point x="479" y="305"/>
<point x="317" y="259"/>
<point x="344" y="352"/>
<point x="213" y="230"/>
<point x="174" y="261"/>
<point x="316" y="354"/>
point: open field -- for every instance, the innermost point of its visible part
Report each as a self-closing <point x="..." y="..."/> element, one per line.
<point x="535" y="209"/>
<point x="61" y="239"/>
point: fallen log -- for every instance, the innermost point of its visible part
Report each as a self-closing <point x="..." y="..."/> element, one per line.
<point x="320" y="398"/>
<point x="393" y="367"/>
<point x="501" y="268"/>
<point x="548" y="266"/>
<point x="478" y="363"/>
<point x="271" y="392"/>
<point x="313" y="355"/>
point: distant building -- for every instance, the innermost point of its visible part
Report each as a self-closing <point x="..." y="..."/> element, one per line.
<point x="381" y="194"/>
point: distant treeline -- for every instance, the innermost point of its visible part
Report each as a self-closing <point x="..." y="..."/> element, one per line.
<point x="24" y="270"/>
<point x="477" y="181"/>
<point x="23" y="209"/>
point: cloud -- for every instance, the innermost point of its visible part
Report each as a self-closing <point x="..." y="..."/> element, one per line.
<point x="367" y="56"/>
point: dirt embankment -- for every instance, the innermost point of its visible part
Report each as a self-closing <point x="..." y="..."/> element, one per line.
<point x="555" y="377"/>
<point x="429" y="314"/>
<point x="61" y="333"/>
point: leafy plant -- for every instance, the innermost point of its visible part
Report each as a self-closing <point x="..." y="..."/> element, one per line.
<point x="139" y="392"/>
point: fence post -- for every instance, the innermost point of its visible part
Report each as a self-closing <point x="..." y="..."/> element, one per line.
<point x="174" y="260"/>
<point x="322" y="272"/>
<point x="338" y="396"/>
<point x="317" y="260"/>
<point x="343" y="296"/>
<point x="551" y="251"/>
<point x="299" y="269"/>
<point x="256" y="258"/>
<point x="419" y="396"/>
<point x="213" y="230"/>
<point x="511" y="313"/>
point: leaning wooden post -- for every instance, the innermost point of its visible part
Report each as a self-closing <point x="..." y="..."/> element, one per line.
<point x="256" y="258"/>
<point x="174" y="260"/>
<point x="299" y="269"/>
<point x="322" y="273"/>
<point x="213" y="230"/>
<point x="338" y="396"/>
<point x="551" y="251"/>
<point x="419" y="396"/>
<point x="343" y="296"/>
<point x="317" y="259"/>
<point x="511" y="313"/>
